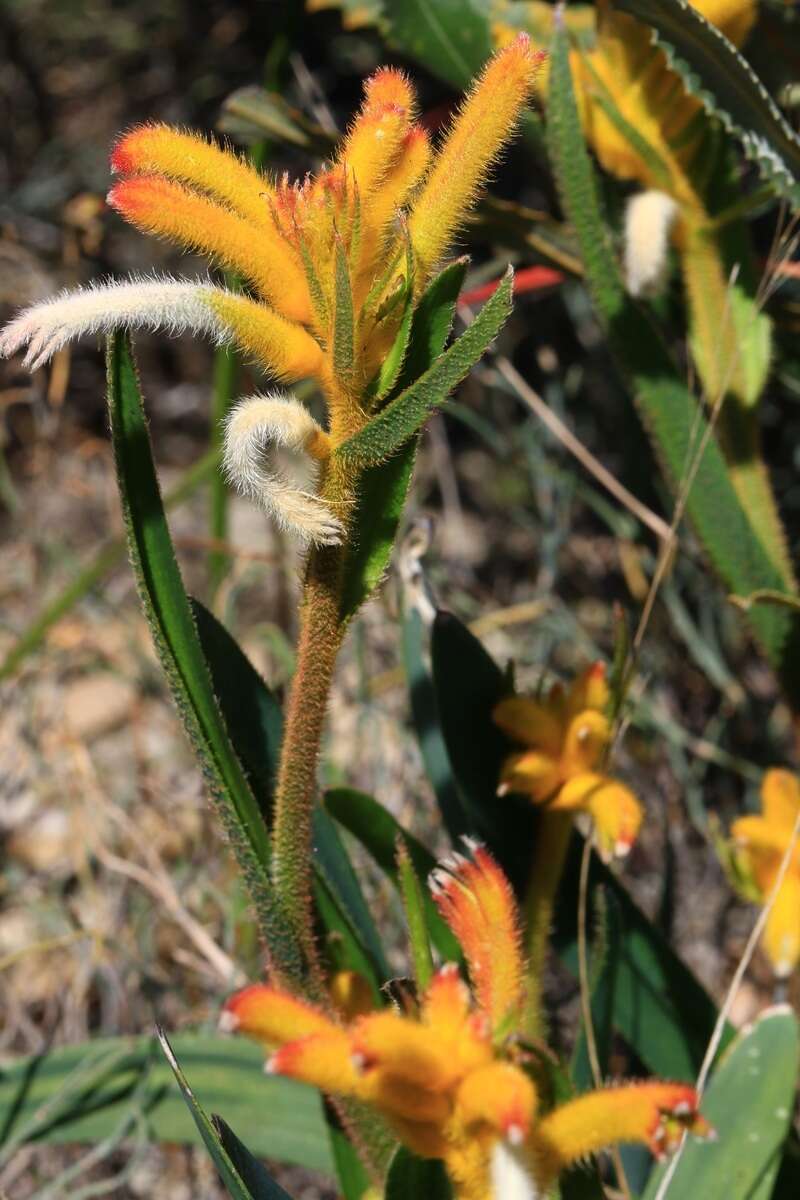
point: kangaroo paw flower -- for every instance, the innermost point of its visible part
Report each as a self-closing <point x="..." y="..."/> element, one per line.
<point x="251" y="429"/>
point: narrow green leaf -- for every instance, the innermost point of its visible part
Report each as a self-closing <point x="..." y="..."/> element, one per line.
<point x="414" y="905"/>
<point x="424" y="716"/>
<point x="377" y="831"/>
<point x="82" y="1093"/>
<point x="259" y="1183"/>
<point x="226" y="378"/>
<point x="175" y="635"/>
<point x="669" y="412"/>
<point x="432" y="322"/>
<point x="343" y="320"/>
<point x="235" y="1185"/>
<point x="404" y="416"/>
<point x="382" y="489"/>
<point x="332" y="865"/>
<point x="381" y="496"/>
<point x="749" y="1101"/>
<point x="713" y="70"/>
<point x="412" y="1178"/>
<point x="390" y="367"/>
<point x="468" y="685"/>
<point x="254" y="716"/>
<point x="353" y="1178"/>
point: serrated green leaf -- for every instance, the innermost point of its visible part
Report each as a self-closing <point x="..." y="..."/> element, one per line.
<point x="343" y="318"/>
<point x="431" y="323"/>
<point x="668" y="410"/>
<point x="175" y="635"/>
<point x="378" y="831"/>
<point x="228" y="1172"/>
<point x="413" y="1178"/>
<point x="82" y="1093"/>
<point x="452" y="38"/>
<point x="715" y="72"/>
<point x="749" y="1101"/>
<point x="390" y="367"/>
<point x="405" y="414"/>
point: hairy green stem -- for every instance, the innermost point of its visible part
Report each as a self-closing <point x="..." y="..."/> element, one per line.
<point x="321" y="633"/>
<point x="552" y="843"/>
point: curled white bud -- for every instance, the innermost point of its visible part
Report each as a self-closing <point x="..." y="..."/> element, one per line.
<point x="174" y="305"/>
<point x="255" y="426"/>
<point x="649" y="217"/>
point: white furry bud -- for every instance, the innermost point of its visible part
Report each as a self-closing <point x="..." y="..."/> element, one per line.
<point x="511" y="1178"/>
<point x="174" y="305"/>
<point x="258" y="424"/>
<point x="649" y="217"/>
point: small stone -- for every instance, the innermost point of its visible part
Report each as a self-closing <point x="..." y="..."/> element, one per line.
<point x="97" y="704"/>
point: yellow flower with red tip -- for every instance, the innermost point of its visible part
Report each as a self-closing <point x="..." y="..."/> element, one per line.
<point x="449" y="1073"/>
<point x="758" y="844"/>
<point x="372" y="223"/>
<point x="566" y="734"/>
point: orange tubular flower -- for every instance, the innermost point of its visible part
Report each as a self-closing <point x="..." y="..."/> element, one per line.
<point x="330" y="260"/>
<point x="757" y="849"/>
<point x="567" y="735"/>
<point x="448" y="1074"/>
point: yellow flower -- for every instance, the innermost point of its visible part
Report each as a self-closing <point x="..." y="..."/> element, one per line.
<point x="373" y="222"/>
<point x="330" y="264"/>
<point x="758" y="846"/>
<point x="449" y="1074"/>
<point x="567" y="735"/>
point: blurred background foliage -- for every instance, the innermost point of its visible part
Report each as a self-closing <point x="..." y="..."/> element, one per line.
<point x="117" y="903"/>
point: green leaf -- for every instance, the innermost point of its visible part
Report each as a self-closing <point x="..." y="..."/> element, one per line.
<point x="412" y="1178"/>
<point x="675" y="423"/>
<point x="432" y="322"/>
<point x="378" y="832"/>
<point x="452" y="38"/>
<point x="749" y="1101"/>
<point x="713" y="70"/>
<point x="381" y="496"/>
<point x="658" y="1006"/>
<point x="254" y="716"/>
<point x="259" y="1183"/>
<point x="382" y="489"/>
<point x="390" y="367"/>
<point x="248" y="707"/>
<point x="81" y="1093"/>
<point x="468" y="685"/>
<point x="343" y="321"/>
<point x="405" y="414"/>
<point x="425" y="719"/>
<point x="172" y="626"/>
<point x="414" y="905"/>
<point x="353" y="1178"/>
<point x="333" y="868"/>
<point x="228" y="1173"/>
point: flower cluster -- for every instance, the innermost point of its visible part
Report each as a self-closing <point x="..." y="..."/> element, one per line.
<point x="451" y="1074"/>
<point x="329" y="262"/>
<point x="754" y="855"/>
<point x="566" y="734"/>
